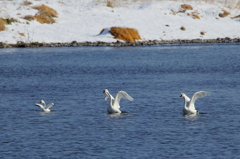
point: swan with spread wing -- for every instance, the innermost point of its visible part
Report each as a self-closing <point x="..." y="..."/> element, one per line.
<point x="189" y="106"/>
<point x="114" y="105"/>
<point x="45" y="108"/>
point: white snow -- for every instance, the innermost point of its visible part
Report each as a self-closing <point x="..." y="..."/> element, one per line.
<point x="82" y="20"/>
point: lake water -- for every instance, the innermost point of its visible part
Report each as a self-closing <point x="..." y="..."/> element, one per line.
<point x="78" y="125"/>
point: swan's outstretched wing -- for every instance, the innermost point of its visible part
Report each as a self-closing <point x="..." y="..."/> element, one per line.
<point x="197" y="95"/>
<point x="122" y="94"/>
<point x="41" y="106"/>
<point x="49" y="105"/>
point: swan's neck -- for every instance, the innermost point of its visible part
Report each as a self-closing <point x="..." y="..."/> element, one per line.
<point x="186" y="101"/>
<point x="111" y="98"/>
<point x="44" y="104"/>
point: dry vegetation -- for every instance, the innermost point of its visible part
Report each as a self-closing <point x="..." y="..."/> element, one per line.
<point x="28" y="17"/>
<point x="202" y="32"/>
<point x="2" y="24"/>
<point x="110" y="4"/>
<point x="126" y="34"/>
<point x="44" y="17"/>
<point x="194" y="15"/>
<point x="101" y="31"/>
<point x="44" y="8"/>
<point x="183" y="28"/>
<point x="238" y="16"/>
<point x="45" y="14"/>
<point x="118" y="3"/>
<point x="27" y="3"/>
<point x="21" y="34"/>
<point x="185" y="7"/>
<point x="224" y="14"/>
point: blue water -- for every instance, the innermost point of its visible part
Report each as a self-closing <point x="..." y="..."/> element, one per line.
<point x="78" y="125"/>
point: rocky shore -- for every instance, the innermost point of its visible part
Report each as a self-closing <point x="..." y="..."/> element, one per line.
<point x="119" y="43"/>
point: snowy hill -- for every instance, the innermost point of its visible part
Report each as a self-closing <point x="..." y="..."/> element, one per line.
<point x="82" y="20"/>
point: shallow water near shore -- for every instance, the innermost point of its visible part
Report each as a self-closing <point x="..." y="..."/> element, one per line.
<point x="78" y="125"/>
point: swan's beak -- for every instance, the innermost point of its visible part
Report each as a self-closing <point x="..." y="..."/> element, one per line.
<point x="181" y="95"/>
<point x="104" y="91"/>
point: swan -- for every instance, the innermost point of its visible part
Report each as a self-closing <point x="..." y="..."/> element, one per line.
<point x="44" y="106"/>
<point x="114" y="106"/>
<point x="189" y="107"/>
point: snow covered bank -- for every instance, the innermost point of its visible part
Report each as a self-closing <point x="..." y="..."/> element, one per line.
<point x="82" y="20"/>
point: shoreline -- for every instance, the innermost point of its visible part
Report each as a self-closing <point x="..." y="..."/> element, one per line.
<point x="118" y="43"/>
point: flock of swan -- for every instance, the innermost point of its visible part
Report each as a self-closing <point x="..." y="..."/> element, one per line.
<point x="114" y="104"/>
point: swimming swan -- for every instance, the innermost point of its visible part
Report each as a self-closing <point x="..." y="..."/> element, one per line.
<point x="189" y="107"/>
<point x="114" y="106"/>
<point x="44" y="106"/>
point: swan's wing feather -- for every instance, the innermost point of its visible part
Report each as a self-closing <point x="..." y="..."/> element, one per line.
<point x="50" y="105"/>
<point x="40" y="105"/>
<point x="122" y="94"/>
<point x="197" y="95"/>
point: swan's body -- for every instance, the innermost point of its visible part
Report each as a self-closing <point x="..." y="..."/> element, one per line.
<point x="114" y="105"/>
<point x="189" y="107"/>
<point x="45" y="108"/>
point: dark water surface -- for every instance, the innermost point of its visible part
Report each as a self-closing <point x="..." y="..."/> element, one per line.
<point x="78" y="125"/>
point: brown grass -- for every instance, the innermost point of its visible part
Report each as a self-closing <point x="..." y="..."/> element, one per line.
<point x="44" y="8"/>
<point x="118" y="3"/>
<point x="4" y="21"/>
<point x="2" y="24"/>
<point x="202" y="32"/>
<point x="26" y="3"/>
<point x="238" y="4"/>
<point x="110" y="4"/>
<point x="102" y="31"/>
<point x="185" y="7"/>
<point x="28" y="17"/>
<point x="45" y="14"/>
<point x="44" y="17"/>
<point x="114" y="3"/>
<point x="22" y="34"/>
<point x="238" y="16"/>
<point x="183" y="28"/>
<point x="126" y="34"/>
<point x="224" y="14"/>
<point x="195" y="16"/>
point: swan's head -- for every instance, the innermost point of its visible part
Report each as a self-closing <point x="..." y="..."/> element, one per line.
<point x="182" y="95"/>
<point x="105" y="91"/>
<point x="41" y="101"/>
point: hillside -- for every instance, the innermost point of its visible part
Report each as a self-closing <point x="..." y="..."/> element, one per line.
<point x="83" y="20"/>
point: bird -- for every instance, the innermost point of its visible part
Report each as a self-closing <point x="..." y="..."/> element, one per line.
<point x="189" y="107"/>
<point x="114" y="105"/>
<point x="44" y="106"/>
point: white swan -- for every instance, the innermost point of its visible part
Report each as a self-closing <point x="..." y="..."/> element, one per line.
<point x="44" y="106"/>
<point x="114" y="106"/>
<point x="189" y="107"/>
